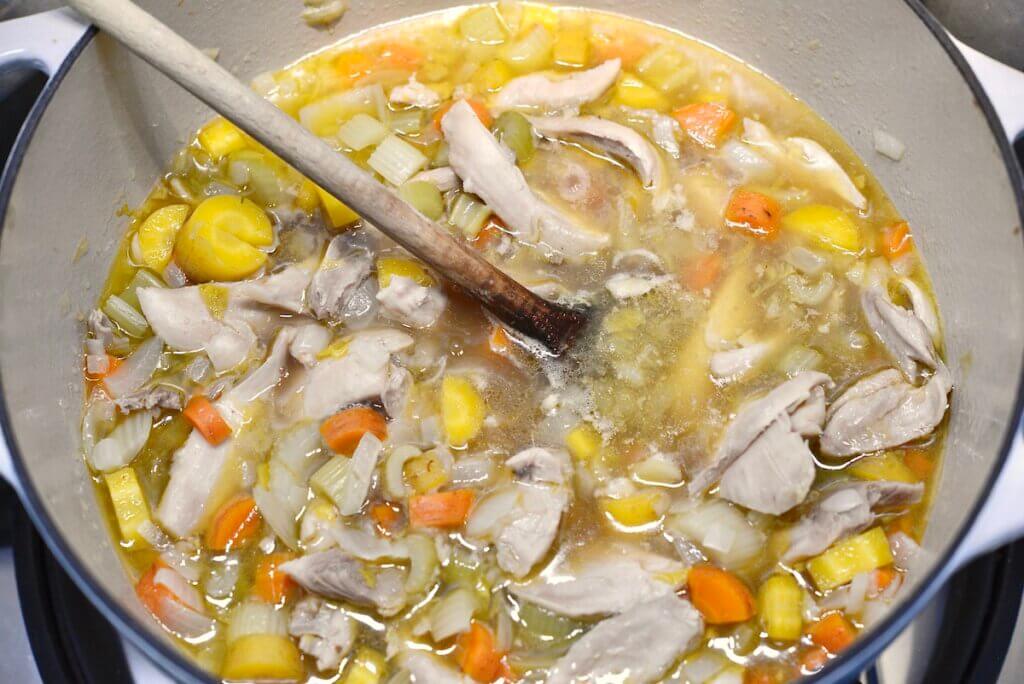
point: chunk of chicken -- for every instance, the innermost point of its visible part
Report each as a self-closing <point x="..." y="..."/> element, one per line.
<point x="734" y="364"/>
<point x="606" y="580"/>
<point x="485" y="169"/>
<point x="637" y="646"/>
<point x="443" y="178"/>
<point x="362" y="373"/>
<point x="406" y="301"/>
<point x="346" y="264"/>
<point x="570" y="92"/>
<point x="181" y="318"/>
<point x="630" y="285"/>
<point x="154" y="397"/>
<point x="337" y="575"/>
<point x="844" y="510"/>
<point x="415" y="94"/>
<point x="762" y="462"/>
<point x="199" y="470"/>
<point x="324" y="631"/>
<point x="886" y="409"/>
<point x="310" y="339"/>
<point x="614" y="139"/>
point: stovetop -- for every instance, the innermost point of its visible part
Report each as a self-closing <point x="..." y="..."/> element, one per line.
<point x="973" y="631"/>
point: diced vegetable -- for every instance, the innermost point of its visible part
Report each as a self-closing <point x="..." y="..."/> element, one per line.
<point x="780" y="602"/>
<point x="482" y="25"/>
<point x="271" y="584"/>
<point x="256" y="617"/>
<point x="491" y="76"/>
<point x="423" y="563"/>
<point x="657" y="469"/>
<point x="205" y="417"/>
<point x="158" y="232"/>
<point x="424" y="198"/>
<point x="479" y="656"/>
<point x="825" y="225"/>
<point x="406" y="268"/>
<point x="262" y="657"/>
<point x="123" y="444"/>
<point x="367" y="667"/>
<point x="278" y="515"/>
<point x="173" y="601"/>
<point x="632" y="91"/>
<point x="722" y="532"/>
<point x="329" y="480"/>
<point x="130" y="506"/>
<point x="262" y="174"/>
<point x="142" y="278"/>
<point x="361" y="131"/>
<point x="479" y="108"/>
<point x="884" y="466"/>
<point x="442" y="509"/>
<point x="343" y="431"/>
<point x="705" y="122"/>
<point x="452" y="614"/>
<point x="896" y="240"/>
<point x="572" y="46"/>
<point x="220" y="137"/>
<point x="396" y="160"/>
<point x="666" y="69"/>
<point x="636" y="510"/>
<point x="337" y="212"/>
<point x="514" y="130"/>
<point x="215" y="297"/>
<point x="849" y="557"/>
<point x="543" y="627"/>
<point x="408" y="122"/>
<point x="919" y="463"/>
<point x="386" y="518"/>
<point x="462" y="410"/>
<point x="125" y="316"/>
<point x="813" y="659"/>
<point x="584" y="442"/>
<point x="234" y="525"/>
<point x="324" y="117"/>
<point x="530" y="51"/>
<point x="468" y="214"/>
<point x="426" y="473"/>
<point x="753" y="213"/>
<point x="702" y="272"/>
<point x="136" y="370"/>
<point x="833" y="632"/>
<point x="719" y="595"/>
<point x="221" y="240"/>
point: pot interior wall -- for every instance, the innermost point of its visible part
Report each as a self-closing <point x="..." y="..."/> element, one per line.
<point x="114" y="123"/>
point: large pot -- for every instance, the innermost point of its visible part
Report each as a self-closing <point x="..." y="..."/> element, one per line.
<point x="106" y="125"/>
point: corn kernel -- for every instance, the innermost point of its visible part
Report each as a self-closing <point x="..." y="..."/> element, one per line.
<point x="307" y="199"/>
<point x="368" y="667"/>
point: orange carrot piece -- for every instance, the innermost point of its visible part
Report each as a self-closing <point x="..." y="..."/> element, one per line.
<point x="344" y="429"/>
<point x="702" y="272"/>
<point x="904" y="524"/>
<point x="149" y="592"/>
<point x="479" y="657"/>
<point x="896" y="240"/>
<point x="479" y="108"/>
<point x="881" y="579"/>
<point x="753" y="213"/>
<point x="813" y="659"/>
<point x="705" y="122"/>
<point x="498" y="341"/>
<point x="236" y="523"/>
<point x="271" y="584"/>
<point x="353" y="65"/>
<point x="719" y="595"/>
<point x="626" y="47"/>
<point x="402" y="56"/>
<point x="919" y="463"/>
<point x="833" y="632"/>
<point x="765" y="673"/>
<point x="440" y="509"/>
<point x="490" y="234"/>
<point x="385" y="518"/>
<point x="205" y="417"/>
<point x="112" y="363"/>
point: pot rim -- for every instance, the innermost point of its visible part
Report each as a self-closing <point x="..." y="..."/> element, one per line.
<point x="181" y="668"/>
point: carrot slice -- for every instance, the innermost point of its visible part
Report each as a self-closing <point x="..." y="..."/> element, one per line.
<point x="480" y="658"/>
<point x="813" y="659"/>
<point x="207" y="419"/>
<point x="896" y="240"/>
<point x="490" y="234"/>
<point x="833" y="632"/>
<point x="919" y="463"/>
<point x="702" y="273"/>
<point x="705" y="122"/>
<point x="385" y="518"/>
<point x="344" y="429"/>
<point x="402" y="56"/>
<point x="719" y="595"/>
<point x="271" y="584"/>
<point x="753" y="213"/>
<point x="479" y="108"/>
<point x="881" y="579"/>
<point x="236" y="523"/>
<point x="149" y="592"/>
<point x="440" y="509"/>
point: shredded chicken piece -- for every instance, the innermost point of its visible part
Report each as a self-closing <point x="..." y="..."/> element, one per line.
<point x="570" y="92"/>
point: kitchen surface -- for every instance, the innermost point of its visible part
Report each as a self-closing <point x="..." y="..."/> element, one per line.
<point x="973" y="631"/>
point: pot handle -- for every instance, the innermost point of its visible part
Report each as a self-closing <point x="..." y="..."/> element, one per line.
<point x="42" y="41"/>
<point x="1000" y="519"/>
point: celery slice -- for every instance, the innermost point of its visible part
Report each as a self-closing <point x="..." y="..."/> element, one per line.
<point x="424" y="197"/>
<point x="482" y="25"/>
<point x="409" y="121"/>
<point x="468" y="214"/>
<point x="396" y="160"/>
<point x="514" y="130"/>
<point x="126" y="316"/>
<point x="361" y="131"/>
<point x="329" y="480"/>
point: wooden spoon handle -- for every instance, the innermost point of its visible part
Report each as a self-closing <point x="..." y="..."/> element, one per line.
<point x="157" y="44"/>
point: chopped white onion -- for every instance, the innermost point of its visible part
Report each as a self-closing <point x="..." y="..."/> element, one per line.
<point x="858" y="592"/>
<point x="277" y="515"/>
<point x="183" y="556"/>
<point x="222" y="577"/>
<point x="805" y="260"/>
<point x="889" y="145"/>
<point x="256" y="617"/>
<point x="301" y="451"/>
<point x="360" y="473"/>
<point x="490" y="513"/>
<point x="452" y="614"/>
<point x="706" y="518"/>
<point x="123" y="444"/>
<point x="136" y="370"/>
<point x="472" y="470"/>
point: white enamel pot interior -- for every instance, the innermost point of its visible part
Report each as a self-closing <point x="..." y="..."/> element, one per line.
<point x="107" y="125"/>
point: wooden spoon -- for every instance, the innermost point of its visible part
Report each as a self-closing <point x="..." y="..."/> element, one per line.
<point x="553" y="325"/>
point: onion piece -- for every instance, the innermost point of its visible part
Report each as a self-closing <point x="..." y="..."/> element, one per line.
<point x="277" y="515"/>
<point x="256" y="617"/>
<point x="452" y="614"/>
<point x="136" y="370"/>
<point x="805" y="260"/>
<point x="122" y="445"/>
<point x="888" y="145"/>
